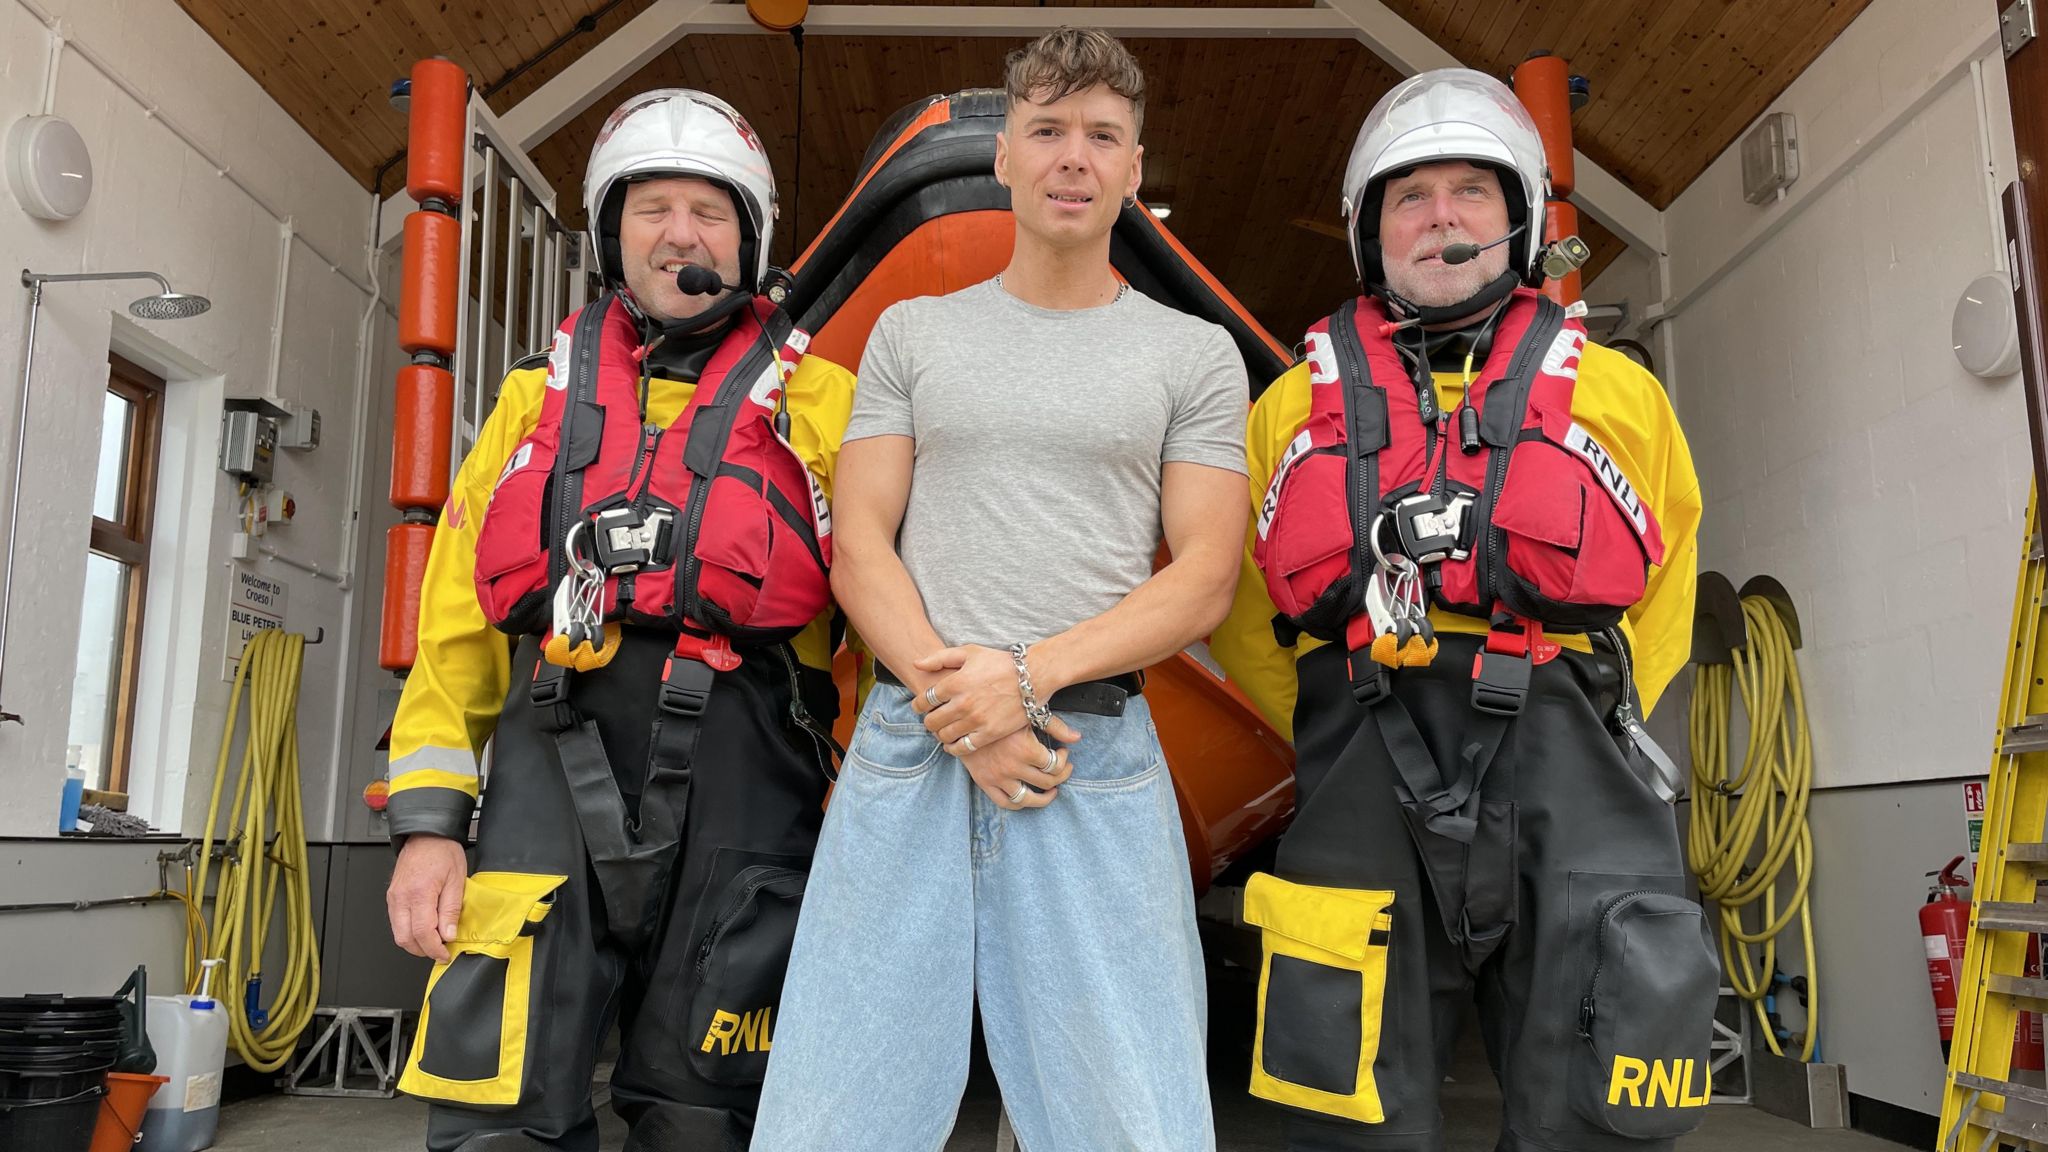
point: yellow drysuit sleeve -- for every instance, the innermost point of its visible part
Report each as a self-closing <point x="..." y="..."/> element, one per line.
<point x="459" y="679"/>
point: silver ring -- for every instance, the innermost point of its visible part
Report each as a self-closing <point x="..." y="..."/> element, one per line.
<point x="967" y="741"/>
<point x="931" y="695"/>
<point x="1052" y="762"/>
<point x="1017" y="797"/>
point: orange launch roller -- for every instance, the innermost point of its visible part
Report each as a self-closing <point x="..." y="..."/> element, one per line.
<point x="422" y="437"/>
<point x="405" y="563"/>
<point x="1543" y="84"/>
<point x="437" y="155"/>
<point x="427" y="300"/>
<point x="434" y="144"/>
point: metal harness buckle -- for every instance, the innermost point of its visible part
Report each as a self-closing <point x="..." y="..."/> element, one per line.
<point x="627" y="541"/>
<point x="1429" y="527"/>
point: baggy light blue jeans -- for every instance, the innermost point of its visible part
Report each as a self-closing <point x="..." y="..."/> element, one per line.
<point x="1073" y="924"/>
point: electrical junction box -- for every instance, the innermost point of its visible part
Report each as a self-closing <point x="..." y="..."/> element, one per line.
<point x="1770" y="157"/>
<point x="248" y="446"/>
<point x="301" y="431"/>
<point x="248" y="438"/>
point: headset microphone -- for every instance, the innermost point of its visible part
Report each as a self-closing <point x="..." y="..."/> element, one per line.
<point x="697" y="280"/>
<point x="1461" y="253"/>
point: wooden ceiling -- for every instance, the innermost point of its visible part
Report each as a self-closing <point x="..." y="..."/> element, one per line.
<point x="1246" y="139"/>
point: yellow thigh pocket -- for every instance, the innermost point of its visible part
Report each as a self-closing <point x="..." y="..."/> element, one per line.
<point x="1320" y="993"/>
<point x="472" y="1040"/>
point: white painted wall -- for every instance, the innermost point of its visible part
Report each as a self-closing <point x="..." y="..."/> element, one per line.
<point x="1841" y="447"/>
<point x="161" y="204"/>
<point x="1843" y="450"/>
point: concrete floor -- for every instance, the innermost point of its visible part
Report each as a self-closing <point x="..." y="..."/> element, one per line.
<point x="305" y="1124"/>
<point x="1471" y="1105"/>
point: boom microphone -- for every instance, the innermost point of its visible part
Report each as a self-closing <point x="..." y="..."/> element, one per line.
<point x="1460" y="253"/>
<point x="697" y="280"/>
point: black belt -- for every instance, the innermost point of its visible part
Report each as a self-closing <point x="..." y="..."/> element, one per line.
<point x="1093" y="697"/>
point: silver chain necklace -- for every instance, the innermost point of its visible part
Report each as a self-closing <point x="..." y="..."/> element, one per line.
<point x="1122" y="289"/>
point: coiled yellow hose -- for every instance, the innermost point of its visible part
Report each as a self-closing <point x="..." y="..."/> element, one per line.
<point x="1746" y="828"/>
<point x="267" y="796"/>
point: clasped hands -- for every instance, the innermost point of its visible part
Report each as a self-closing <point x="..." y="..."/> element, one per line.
<point x="976" y="710"/>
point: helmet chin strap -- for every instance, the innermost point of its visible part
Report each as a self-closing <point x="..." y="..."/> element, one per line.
<point x="1428" y="316"/>
<point x="713" y="317"/>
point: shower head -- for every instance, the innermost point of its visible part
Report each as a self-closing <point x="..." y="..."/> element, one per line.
<point x="165" y="305"/>
<point x="169" y="306"/>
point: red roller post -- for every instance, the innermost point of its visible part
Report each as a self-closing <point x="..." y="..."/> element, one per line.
<point x="434" y="144"/>
<point x="422" y="437"/>
<point x="437" y="154"/>
<point x="405" y="563"/>
<point x="1543" y="84"/>
<point x="428" y="293"/>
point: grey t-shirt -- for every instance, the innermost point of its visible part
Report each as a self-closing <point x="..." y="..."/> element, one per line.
<point x="1041" y="436"/>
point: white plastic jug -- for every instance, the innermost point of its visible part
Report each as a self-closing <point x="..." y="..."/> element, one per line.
<point x="190" y="1035"/>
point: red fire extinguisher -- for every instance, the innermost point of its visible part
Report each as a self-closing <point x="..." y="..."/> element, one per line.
<point x="1944" y="928"/>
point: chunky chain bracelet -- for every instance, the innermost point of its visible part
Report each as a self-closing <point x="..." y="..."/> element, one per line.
<point x="1037" y="713"/>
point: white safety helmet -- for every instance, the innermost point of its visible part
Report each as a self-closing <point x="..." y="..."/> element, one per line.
<point x="680" y="132"/>
<point x="1447" y="114"/>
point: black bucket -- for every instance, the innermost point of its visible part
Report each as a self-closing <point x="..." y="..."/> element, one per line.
<point x="54" y="1056"/>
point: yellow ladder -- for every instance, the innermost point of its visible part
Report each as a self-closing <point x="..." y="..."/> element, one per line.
<point x="2013" y="860"/>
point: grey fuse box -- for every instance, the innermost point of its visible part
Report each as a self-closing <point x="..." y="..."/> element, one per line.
<point x="248" y="439"/>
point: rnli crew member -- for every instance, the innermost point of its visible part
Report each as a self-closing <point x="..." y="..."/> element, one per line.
<point x="1005" y="830"/>
<point x="644" y="511"/>
<point x="1470" y="575"/>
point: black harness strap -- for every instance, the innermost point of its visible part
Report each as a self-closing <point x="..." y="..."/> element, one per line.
<point x="1443" y="811"/>
<point x="632" y="853"/>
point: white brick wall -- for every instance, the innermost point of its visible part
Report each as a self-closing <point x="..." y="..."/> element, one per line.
<point x="1844" y="451"/>
<point x="158" y="205"/>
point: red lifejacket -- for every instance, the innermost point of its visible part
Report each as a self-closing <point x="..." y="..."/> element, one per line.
<point x="1544" y="525"/>
<point x="713" y="521"/>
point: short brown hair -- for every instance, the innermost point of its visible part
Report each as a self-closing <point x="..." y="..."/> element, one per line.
<point x="1069" y="60"/>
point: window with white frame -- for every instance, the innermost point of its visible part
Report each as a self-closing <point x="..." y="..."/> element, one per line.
<point x="116" y="577"/>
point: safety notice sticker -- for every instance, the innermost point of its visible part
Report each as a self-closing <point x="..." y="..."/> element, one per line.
<point x="1973" y="812"/>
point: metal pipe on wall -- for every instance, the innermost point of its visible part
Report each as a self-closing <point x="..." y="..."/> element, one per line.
<point x="35" y="306"/>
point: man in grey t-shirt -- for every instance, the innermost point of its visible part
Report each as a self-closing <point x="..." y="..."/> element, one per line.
<point x="1004" y="830"/>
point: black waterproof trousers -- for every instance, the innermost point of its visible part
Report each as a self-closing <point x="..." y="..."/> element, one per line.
<point x="683" y="842"/>
<point x="1561" y="909"/>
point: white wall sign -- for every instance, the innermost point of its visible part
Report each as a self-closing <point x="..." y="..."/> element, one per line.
<point x="254" y="603"/>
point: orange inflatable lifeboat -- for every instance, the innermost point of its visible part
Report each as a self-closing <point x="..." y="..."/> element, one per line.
<point x="926" y="217"/>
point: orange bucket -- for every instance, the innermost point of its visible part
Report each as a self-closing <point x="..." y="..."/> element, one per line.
<point x="121" y="1109"/>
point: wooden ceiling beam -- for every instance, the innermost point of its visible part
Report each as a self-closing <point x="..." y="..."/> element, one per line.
<point x="1598" y="193"/>
<point x="596" y="73"/>
<point x="654" y="31"/>
<point x="1020" y="20"/>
